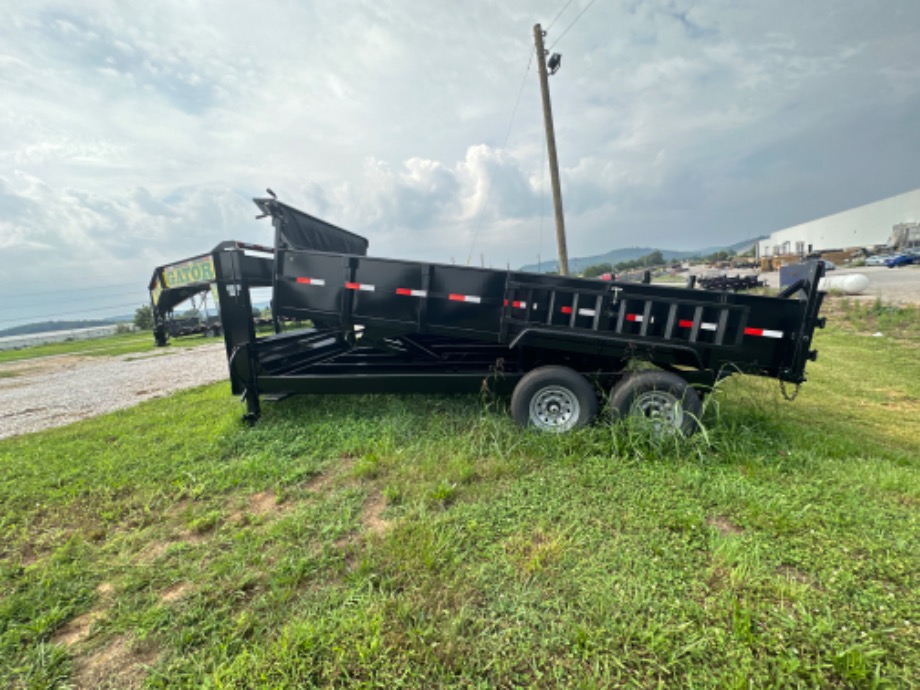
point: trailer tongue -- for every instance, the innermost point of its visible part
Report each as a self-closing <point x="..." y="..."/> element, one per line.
<point x="392" y="326"/>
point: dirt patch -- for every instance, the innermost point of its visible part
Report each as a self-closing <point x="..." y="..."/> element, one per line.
<point x="28" y="556"/>
<point x="174" y="592"/>
<point x="724" y="525"/>
<point x="156" y="549"/>
<point x="77" y="629"/>
<point x="104" y="589"/>
<point x="153" y="552"/>
<point x="263" y="502"/>
<point x="372" y="514"/>
<point x="115" y="666"/>
<point x="179" y="507"/>
<point x="260" y="504"/>
<point x="320" y="482"/>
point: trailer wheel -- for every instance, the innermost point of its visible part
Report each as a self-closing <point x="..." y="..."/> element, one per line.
<point x="664" y="399"/>
<point x="553" y="398"/>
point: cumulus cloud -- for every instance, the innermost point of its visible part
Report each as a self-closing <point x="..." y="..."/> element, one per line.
<point x="132" y="134"/>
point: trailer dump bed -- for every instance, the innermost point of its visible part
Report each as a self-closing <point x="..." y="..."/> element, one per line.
<point x="386" y="325"/>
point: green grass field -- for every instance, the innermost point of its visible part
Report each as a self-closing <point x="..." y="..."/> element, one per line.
<point x="387" y="541"/>
<point x="110" y="346"/>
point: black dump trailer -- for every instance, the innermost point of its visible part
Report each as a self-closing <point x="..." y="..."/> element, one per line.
<point x="558" y="344"/>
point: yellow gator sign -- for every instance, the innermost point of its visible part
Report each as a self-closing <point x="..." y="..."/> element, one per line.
<point x="194" y="271"/>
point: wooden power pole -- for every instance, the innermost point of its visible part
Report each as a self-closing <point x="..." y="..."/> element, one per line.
<point x="551" y="148"/>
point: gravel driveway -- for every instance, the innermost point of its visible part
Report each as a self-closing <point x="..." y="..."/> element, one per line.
<point x="38" y="394"/>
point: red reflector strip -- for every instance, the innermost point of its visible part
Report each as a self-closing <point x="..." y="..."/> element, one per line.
<point x="359" y="286"/>
<point x="581" y="312"/>
<point x="473" y="299"/>
<point x="411" y="293"/>
<point x="638" y="318"/>
<point x="311" y="281"/>
<point x="763" y="332"/>
<point x="684" y="323"/>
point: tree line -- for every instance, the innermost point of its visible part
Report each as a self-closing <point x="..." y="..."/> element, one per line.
<point x="654" y="259"/>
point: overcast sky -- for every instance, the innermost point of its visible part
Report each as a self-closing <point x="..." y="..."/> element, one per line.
<point x="133" y="134"/>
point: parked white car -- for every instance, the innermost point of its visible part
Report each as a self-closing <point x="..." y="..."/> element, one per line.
<point x="877" y="259"/>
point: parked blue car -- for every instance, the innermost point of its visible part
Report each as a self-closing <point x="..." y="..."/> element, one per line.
<point x="900" y="260"/>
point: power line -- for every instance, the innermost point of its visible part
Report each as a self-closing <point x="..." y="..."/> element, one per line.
<point x="558" y="15"/>
<point x="587" y="7"/>
<point x="485" y="202"/>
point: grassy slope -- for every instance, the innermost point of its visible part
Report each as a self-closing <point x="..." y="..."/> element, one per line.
<point x="390" y="541"/>
<point x="121" y="344"/>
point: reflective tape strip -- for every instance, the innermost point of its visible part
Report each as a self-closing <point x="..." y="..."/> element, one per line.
<point x="581" y="312"/>
<point x="516" y="304"/>
<point x="311" y="281"/>
<point x="684" y="323"/>
<point x="638" y="318"/>
<point x="359" y="286"/>
<point x="763" y="332"/>
<point x="473" y="299"/>
<point x="411" y="293"/>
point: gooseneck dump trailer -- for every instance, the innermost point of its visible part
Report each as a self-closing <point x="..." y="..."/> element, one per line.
<point x="557" y="344"/>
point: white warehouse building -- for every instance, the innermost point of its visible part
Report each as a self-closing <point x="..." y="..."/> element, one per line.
<point x="863" y="226"/>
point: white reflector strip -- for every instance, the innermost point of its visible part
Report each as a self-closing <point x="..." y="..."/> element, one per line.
<point x="311" y="281"/>
<point x="360" y="286"/>
<point x="473" y="299"/>
<point x="684" y="323"/>
<point x="586" y="312"/>
<point x="411" y="293"/>
<point x="763" y="333"/>
<point x="638" y="318"/>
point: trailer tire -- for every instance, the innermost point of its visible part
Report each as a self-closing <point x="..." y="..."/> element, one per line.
<point x="555" y="399"/>
<point x="666" y="400"/>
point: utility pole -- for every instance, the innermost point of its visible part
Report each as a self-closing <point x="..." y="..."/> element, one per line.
<point x="551" y="148"/>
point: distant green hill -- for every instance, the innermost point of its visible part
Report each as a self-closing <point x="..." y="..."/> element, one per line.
<point x="615" y="256"/>
<point x="48" y="326"/>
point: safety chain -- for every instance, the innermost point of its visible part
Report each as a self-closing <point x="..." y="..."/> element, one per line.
<point x="496" y="371"/>
<point x="790" y="398"/>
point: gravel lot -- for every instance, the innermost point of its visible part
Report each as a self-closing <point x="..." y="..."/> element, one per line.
<point x="54" y="391"/>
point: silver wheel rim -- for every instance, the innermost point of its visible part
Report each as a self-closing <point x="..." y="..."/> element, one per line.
<point x="554" y="408"/>
<point x="661" y="409"/>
